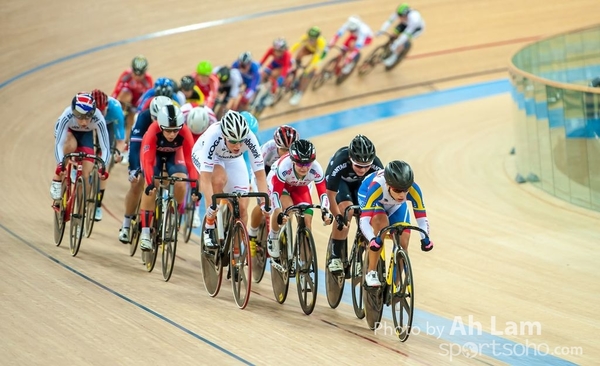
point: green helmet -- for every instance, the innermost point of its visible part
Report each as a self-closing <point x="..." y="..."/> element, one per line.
<point x="204" y="68"/>
<point x="403" y="9"/>
<point x="314" y="32"/>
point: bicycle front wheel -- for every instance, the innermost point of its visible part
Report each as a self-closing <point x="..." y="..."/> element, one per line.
<point x="372" y="60"/>
<point x="373" y="297"/>
<point x="60" y="214"/>
<point x="92" y="197"/>
<point x="259" y="260"/>
<point x="326" y="73"/>
<point x="240" y="265"/>
<point x="169" y="240"/>
<point x="135" y="229"/>
<point x="403" y="299"/>
<point x="77" y="216"/>
<point x="190" y="211"/>
<point x="212" y="270"/>
<point x="356" y="276"/>
<point x="280" y="272"/>
<point x="307" y="271"/>
<point x="334" y="282"/>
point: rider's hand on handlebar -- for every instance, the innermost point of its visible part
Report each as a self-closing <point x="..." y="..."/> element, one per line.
<point x="326" y="216"/>
<point x="282" y="218"/>
<point x="150" y="189"/>
<point x="264" y="211"/>
<point x="341" y="222"/>
<point x="375" y="244"/>
<point x="102" y="173"/>
<point x="426" y="245"/>
<point x="211" y="211"/>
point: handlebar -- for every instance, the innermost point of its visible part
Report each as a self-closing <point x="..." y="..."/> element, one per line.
<point x="237" y="196"/>
<point x="399" y="226"/>
<point x="356" y="209"/>
<point x="172" y="179"/>
<point x="301" y="208"/>
<point x="79" y="156"/>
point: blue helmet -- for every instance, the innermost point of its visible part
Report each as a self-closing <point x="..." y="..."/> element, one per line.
<point x="163" y="82"/>
<point x="252" y="121"/>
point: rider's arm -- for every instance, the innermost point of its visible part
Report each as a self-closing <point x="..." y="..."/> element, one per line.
<point x="116" y="112"/>
<point x="60" y="134"/>
<point x="316" y="58"/>
<point x="236" y="82"/>
<point x="102" y="132"/>
<point x="370" y="209"/>
<point x="286" y="60"/>
<point x="278" y="183"/>
<point x="135" y="141"/>
<point x="332" y="178"/>
<point x="266" y="56"/>
<point x="188" y="146"/>
<point x="416" y="197"/>
<point x="255" y="71"/>
<point x="204" y="161"/>
<point x="388" y="22"/>
<point x="148" y="152"/>
<point x="121" y="83"/>
<point x="214" y="90"/>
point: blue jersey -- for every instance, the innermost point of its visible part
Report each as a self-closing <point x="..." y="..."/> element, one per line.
<point x="114" y="115"/>
<point x="149" y="94"/>
<point x="252" y="78"/>
<point x="141" y="125"/>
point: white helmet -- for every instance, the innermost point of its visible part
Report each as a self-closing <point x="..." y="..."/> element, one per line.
<point x="353" y="23"/>
<point x="234" y="126"/>
<point x="157" y="103"/>
<point x="170" y="117"/>
<point x="198" y="120"/>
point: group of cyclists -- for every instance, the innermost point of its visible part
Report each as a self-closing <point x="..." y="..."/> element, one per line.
<point x="173" y="130"/>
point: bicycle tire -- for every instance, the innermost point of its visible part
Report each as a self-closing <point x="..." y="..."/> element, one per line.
<point x="280" y="281"/>
<point x="334" y="284"/>
<point x="135" y="230"/>
<point x="155" y="236"/>
<point x="169" y="240"/>
<point x="240" y="267"/>
<point x="212" y="271"/>
<point x="326" y="73"/>
<point x="91" y="201"/>
<point x="357" y="278"/>
<point x="400" y="57"/>
<point x="259" y="261"/>
<point x="305" y="245"/>
<point x="400" y="296"/>
<point x="77" y="217"/>
<point x="190" y="211"/>
<point x="374" y="297"/>
<point x="372" y="60"/>
<point x="60" y="214"/>
<point x="343" y="77"/>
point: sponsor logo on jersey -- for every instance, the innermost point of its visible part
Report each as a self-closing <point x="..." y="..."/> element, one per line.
<point x="252" y="148"/>
<point x="211" y="151"/>
<point x="338" y="169"/>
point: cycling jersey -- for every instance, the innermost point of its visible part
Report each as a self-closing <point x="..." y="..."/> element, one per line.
<point x="147" y="98"/>
<point x="413" y="26"/>
<point x="196" y="97"/>
<point x="126" y="82"/>
<point x="270" y="154"/>
<point x="210" y="89"/>
<point x="340" y="169"/>
<point x="316" y="49"/>
<point x="283" y="62"/>
<point x="251" y="78"/>
<point x="360" y="37"/>
<point x="114" y="116"/>
<point x="231" y="88"/>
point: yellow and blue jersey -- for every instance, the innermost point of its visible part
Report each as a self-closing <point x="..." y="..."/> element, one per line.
<point x="374" y="196"/>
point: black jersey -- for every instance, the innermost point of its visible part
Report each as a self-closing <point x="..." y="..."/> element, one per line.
<point x="340" y="168"/>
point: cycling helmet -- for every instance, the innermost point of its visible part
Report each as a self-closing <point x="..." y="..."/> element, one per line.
<point x="198" y="120"/>
<point x="399" y="175"/>
<point x="187" y="83"/>
<point x="353" y="23"/>
<point x="174" y="85"/>
<point x="595" y="82"/>
<point x="157" y="104"/>
<point x="204" y="68"/>
<point x="403" y="10"/>
<point x="100" y="98"/>
<point x="361" y="150"/>
<point x="284" y="136"/>
<point x="170" y="117"/>
<point x="163" y="82"/>
<point x="223" y="74"/>
<point x="234" y="126"/>
<point x="165" y="91"/>
<point x="314" y="32"/>
<point x="251" y="120"/>
<point x="83" y="105"/>
<point x="302" y="152"/>
<point x="245" y="58"/>
<point x="280" y="44"/>
<point x="139" y="65"/>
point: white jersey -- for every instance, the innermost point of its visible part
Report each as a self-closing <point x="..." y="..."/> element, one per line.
<point x="269" y="152"/>
<point x="414" y="25"/>
<point x="211" y="149"/>
<point x="67" y="122"/>
<point x="234" y="84"/>
<point x="364" y="32"/>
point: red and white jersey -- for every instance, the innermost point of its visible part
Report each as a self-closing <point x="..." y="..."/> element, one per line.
<point x="363" y="34"/>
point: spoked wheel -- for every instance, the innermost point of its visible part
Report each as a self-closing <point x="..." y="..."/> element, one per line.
<point x="403" y="298"/>
<point x="135" y="229"/>
<point x="149" y="257"/>
<point x="90" y="210"/>
<point x="60" y="214"/>
<point x="357" y="279"/>
<point x="307" y="271"/>
<point x="326" y="74"/>
<point x="212" y="270"/>
<point x="343" y="76"/>
<point x="169" y="240"/>
<point x="259" y="259"/>
<point x="240" y="265"/>
<point x="77" y="216"/>
<point x="334" y="282"/>
<point x="374" y="296"/>
<point x="401" y="56"/>
<point x="372" y="60"/>
<point x="190" y="211"/>
<point x="280" y="273"/>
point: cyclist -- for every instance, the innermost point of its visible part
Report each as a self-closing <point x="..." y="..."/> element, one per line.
<point x="289" y="182"/>
<point x="197" y="118"/>
<point x="218" y="157"/>
<point x="272" y="150"/>
<point x="207" y="82"/>
<point x="142" y="123"/>
<point x="311" y="43"/>
<point x="74" y="132"/>
<point x="230" y="82"/>
<point x="168" y="141"/>
<point x="359" y="36"/>
<point x="115" y="126"/>
<point x="410" y="27"/>
<point x="250" y="71"/>
<point x="277" y="70"/>
<point x="345" y="172"/>
<point x="162" y="86"/>
<point x="383" y="199"/>
<point x="191" y="92"/>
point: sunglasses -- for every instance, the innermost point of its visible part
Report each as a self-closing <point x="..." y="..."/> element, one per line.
<point x="234" y="142"/>
<point x="171" y="130"/>
<point x="361" y="166"/>
<point x="303" y="165"/>
<point x="397" y="190"/>
<point x="80" y="115"/>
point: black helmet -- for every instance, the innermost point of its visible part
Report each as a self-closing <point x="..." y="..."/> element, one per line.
<point x="399" y="175"/>
<point x="595" y="82"/>
<point x="175" y="86"/>
<point x="165" y="91"/>
<point x="223" y="74"/>
<point x="361" y="150"/>
<point x="302" y="151"/>
<point x="187" y="83"/>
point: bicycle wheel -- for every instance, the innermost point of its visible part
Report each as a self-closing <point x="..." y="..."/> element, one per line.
<point x="307" y="270"/>
<point x="403" y="299"/>
<point x="259" y="260"/>
<point x="374" y="297"/>
<point x="212" y="270"/>
<point x="60" y="214"/>
<point x="356" y="276"/>
<point x="77" y="216"/>
<point x="190" y="211"/>
<point x="342" y="77"/>
<point x="326" y="73"/>
<point x="334" y="283"/>
<point x="149" y="257"/>
<point x="135" y="229"/>
<point x="240" y="265"/>
<point x="401" y="57"/>
<point x="90" y="205"/>
<point x="280" y="274"/>
<point x="169" y="239"/>
<point x="372" y="60"/>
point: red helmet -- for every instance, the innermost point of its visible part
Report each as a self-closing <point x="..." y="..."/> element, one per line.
<point x="100" y="98"/>
<point x="284" y="136"/>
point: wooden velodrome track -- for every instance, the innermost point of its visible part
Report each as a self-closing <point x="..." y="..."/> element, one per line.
<point x="504" y="252"/>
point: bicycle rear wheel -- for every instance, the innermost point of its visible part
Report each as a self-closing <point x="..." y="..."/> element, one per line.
<point x="280" y="278"/>
<point x="326" y="73"/>
<point x="356" y="276"/>
<point x="342" y="77"/>
<point x="190" y="211"/>
<point x="372" y="60"/>
<point x="169" y="240"/>
<point x="90" y="205"/>
<point x="212" y="269"/>
<point x="77" y="216"/>
<point x="403" y="299"/>
<point x="135" y="229"/>
<point x="401" y="56"/>
<point x="60" y="214"/>
<point x="307" y="270"/>
<point x="334" y="283"/>
<point x="259" y="260"/>
<point x="374" y="297"/>
<point x="240" y="265"/>
<point x="149" y="257"/>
